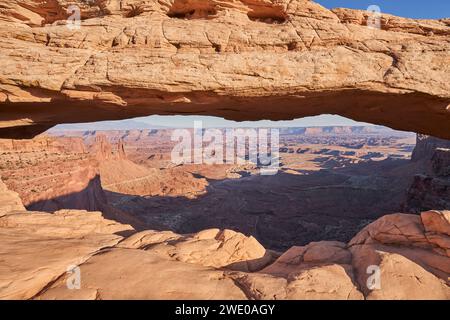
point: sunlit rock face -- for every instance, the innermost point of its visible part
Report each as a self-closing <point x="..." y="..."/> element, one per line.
<point x="426" y="148"/>
<point x="52" y="173"/>
<point x="430" y="189"/>
<point x="411" y="252"/>
<point x="9" y="200"/>
<point x="243" y="60"/>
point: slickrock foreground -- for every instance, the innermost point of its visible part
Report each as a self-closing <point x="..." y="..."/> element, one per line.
<point x="243" y="60"/>
<point x="412" y="252"/>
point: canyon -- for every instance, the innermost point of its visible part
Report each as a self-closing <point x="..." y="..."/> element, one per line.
<point x="136" y="214"/>
<point x="232" y="59"/>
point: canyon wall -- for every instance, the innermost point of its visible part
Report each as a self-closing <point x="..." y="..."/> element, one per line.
<point x="9" y="200"/>
<point x="53" y="173"/>
<point x="426" y="147"/>
<point x="49" y="144"/>
<point x="242" y="60"/>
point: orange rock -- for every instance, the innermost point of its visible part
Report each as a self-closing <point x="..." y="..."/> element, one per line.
<point x="39" y="248"/>
<point x="400" y="277"/>
<point x="9" y="200"/>
<point x="218" y="57"/>
<point x="436" y="221"/>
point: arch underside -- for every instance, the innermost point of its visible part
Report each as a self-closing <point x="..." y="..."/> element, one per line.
<point x="241" y="60"/>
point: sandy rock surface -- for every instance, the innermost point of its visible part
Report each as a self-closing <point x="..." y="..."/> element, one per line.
<point x="244" y="60"/>
<point x="115" y="262"/>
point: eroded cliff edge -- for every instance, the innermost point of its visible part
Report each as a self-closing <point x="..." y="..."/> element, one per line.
<point x="242" y="60"/>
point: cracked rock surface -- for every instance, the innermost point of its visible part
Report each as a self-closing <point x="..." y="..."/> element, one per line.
<point x="240" y="59"/>
<point x="412" y="254"/>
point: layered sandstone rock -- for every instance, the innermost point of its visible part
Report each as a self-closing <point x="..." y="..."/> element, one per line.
<point x="9" y="200"/>
<point x="123" y="176"/>
<point x="441" y="162"/>
<point x="246" y="59"/>
<point x="324" y="270"/>
<point x="102" y="148"/>
<point x="412" y="253"/>
<point x="427" y="192"/>
<point x="43" y="142"/>
<point x="38" y="248"/>
<point x="320" y="270"/>
<point x="40" y="251"/>
<point x="426" y="147"/>
<point x="431" y="188"/>
<point x="126" y="177"/>
<point x="81" y="190"/>
<point x="210" y="248"/>
<point x="52" y="173"/>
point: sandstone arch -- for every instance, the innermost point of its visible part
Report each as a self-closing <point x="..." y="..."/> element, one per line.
<point x="231" y="65"/>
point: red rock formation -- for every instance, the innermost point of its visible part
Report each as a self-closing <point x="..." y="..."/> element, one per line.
<point x="441" y="162"/>
<point x="9" y="200"/>
<point x="430" y="189"/>
<point x="52" y="173"/>
<point x="49" y="144"/>
<point x="257" y="59"/>
<point x="83" y="192"/>
<point x="426" y="146"/>
<point x="412" y="251"/>
<point x="121" y="150"/>
<point x="54" y="242"/>
<point x="243" y="60"/>
<point x="126" y="177"/>
<point x="102" y="148"/>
